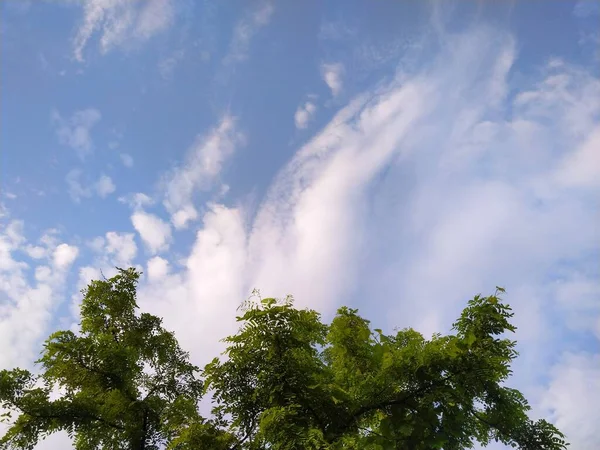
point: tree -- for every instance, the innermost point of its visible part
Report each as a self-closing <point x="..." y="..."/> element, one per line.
<point x="288" y="381"/>
<point x="292" y="382"/>
<point x="125" y="381"/>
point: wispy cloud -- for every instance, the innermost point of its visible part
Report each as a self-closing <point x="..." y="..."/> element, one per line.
<point x="75" y="131"/>
<point x="78" y="190"/>
<point x="332" y="75"/>
<point x="246" y="29"/>
<point x="586" y="8"/>
<point x="167" y="66"/>
<point x="126" y="159"/>
<point x="201" y="169"/>
<point x="304" y="114"/>
<point x="569" y="400"/>
<point x="137" y="201"/>
<point x="104" y="186"/>
<point x="121" y="23"/>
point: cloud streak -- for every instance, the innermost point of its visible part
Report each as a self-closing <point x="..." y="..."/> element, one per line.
<point x="332" y="75"/>
<point x="304" y="114"/>
<point x="75" y="131"/>
<point x="203" y="164"/>
<point x="121" y="23"/>
<point x="246" y="29"/>
<point x="77" y="190"/>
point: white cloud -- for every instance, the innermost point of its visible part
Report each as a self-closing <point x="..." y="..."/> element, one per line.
<point x="104" y="186"/>
<point x="48" y="245"/>
<point x="113" y="249"/>
<point x="583" y="314"/>
<point x="155" y="232"/>
<point x="27" y="306"/>
<point x="184" y="216"/>
<point x="43" y="274"/>
<point x="202" y="300"/>
<point x="64" y="255"/>
<point x="203" y="164"/>
<point x="35" y="251"/>
<point x="137" y="200"/>
<point x="304" y="114"/>
<point x="332" y="75"/>
<point x="158" y="268"/>
<point x="75" y="132"/>
<point x="126" y="159"/>
<point x="121" y="23"/>
<point x="582" y="167"/>
<point x="570" y="400"/>
<point x="121" y="248"/>
<point x="87" y="274"/>
<point x="246" y="29"/>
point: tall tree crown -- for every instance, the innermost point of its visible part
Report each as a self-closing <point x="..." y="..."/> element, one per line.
<point x="286" y="381"/>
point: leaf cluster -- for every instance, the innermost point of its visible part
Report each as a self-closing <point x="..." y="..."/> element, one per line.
<point x="286" y="381"/>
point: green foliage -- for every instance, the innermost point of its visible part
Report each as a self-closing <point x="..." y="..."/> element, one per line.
<point x="121" y="378"/>
<point x="287" y="381"/>
<point x="291" y="382"/>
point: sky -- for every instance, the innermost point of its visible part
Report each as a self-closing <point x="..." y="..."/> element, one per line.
<point x="396" y="157"/>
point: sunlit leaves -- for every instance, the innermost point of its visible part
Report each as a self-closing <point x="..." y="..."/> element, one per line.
<point x="287" y="376"/>
<point x="119" y="378"/>
<point x="287" y="381"/>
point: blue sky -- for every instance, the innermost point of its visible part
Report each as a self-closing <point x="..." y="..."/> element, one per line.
<point x="398" y="157"/>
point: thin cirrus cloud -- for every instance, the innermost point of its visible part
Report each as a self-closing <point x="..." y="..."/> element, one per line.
<point x="75" y="131"/>
<point x="375" y="207"/>
<point x="332" y="74"/>
<point x="78" y="189"/>
<point x="121" y="23"/>
<point x="246" y="29"/>
<point x="201" y="169"/>
<point x="166" y="67"/>
<point x="304" y="114"/>
<point x="126" y="159"/>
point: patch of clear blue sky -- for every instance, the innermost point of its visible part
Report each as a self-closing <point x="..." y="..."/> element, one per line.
<point x="156" y="119"/>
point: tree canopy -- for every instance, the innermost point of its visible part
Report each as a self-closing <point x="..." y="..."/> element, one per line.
<point x="286" y="381"/>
